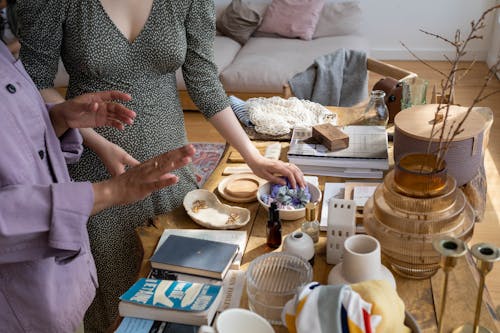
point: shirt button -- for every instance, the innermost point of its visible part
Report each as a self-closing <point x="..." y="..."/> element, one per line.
<point x="11" y="88"/>
<point x="41" y="153"/>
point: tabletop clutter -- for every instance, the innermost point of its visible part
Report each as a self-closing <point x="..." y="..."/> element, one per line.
<point x="361" y="294"/>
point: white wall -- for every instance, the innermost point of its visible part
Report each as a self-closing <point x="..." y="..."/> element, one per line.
<point x="494" y="52"/>
<point x="387" y="22"/>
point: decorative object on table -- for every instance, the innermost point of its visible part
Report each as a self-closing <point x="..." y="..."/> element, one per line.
<point x="414" y="92"/>
<point x="330" y="136"/>
<point x="363" y="307"/>
<point x="366" y="157"/>
<point x="300" y="244"/>
<point x="266" y="195"/>
<point x="272" y="280"/>
<point x="311" y="224"/>
<point x="240" y="321"/>
<point x="376" y="112"/>
<point x="341" y="224"/>
<point x="277" y="116"/>
<point x="175" y="301"/>
<point x="205" y="159"/>
<point x="361" y="262"/>
<point x="205" y="209"/>
<point x="195" y="256"/>
<point x="273" y="151"/>
<point x="465" y="151"/>
<point x="273" y="227"/>
<point x="240" y="187"/>
<point x="416" y="203"/>
<point x="236" y="237"/>
<point x="485" y="255"/>
<point x="450" y="249"/>
<point x="393" y="91"/>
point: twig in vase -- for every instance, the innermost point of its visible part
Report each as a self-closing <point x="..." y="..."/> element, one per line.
<point x="445" y="138"/>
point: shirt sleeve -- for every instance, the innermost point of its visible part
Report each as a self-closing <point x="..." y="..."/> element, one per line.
<point x="43" y="221"/>
<point x="41" y="24"/>
<point x="199" y="69"/>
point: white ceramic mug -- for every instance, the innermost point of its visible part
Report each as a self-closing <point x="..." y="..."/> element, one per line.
<point x="238" y="320"/>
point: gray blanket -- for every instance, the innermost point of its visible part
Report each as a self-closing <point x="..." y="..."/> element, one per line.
<point x="336" y="79"/>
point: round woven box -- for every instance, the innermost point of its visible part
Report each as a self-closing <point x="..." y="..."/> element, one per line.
<point x="412" y="131"/>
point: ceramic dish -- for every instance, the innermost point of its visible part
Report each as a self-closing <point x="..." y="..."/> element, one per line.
<point x="292" y="214"/>
<point x="240" y="187"/>
<point x="205" y="209"/>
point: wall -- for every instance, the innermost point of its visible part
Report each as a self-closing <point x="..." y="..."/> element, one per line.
<point x="387" y="22"/>
<point x="494" y="52"/>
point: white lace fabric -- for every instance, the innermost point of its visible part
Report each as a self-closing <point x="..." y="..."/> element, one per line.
<point x="278" y="116"/>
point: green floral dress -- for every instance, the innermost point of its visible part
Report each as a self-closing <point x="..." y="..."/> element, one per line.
<point x="97" y="56"/>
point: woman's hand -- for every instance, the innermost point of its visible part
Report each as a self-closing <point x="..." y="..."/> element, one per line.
<point x="115" y="158"/>
<point x="92" y="110"/>
<point x="272" y="169"/>
<point x="138" y="182"/>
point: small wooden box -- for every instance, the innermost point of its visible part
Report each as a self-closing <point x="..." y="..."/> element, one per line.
<point x="330" y="136"/>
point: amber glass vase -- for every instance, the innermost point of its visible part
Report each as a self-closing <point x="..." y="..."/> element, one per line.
<point x="417" y="202"/>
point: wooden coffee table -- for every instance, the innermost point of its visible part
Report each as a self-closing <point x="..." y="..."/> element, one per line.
<point x="421" y="297"/>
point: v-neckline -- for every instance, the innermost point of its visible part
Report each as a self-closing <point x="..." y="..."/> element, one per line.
<point x="115" y="27"/>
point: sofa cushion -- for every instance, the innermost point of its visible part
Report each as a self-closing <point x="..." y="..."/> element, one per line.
<point x="292" y="18"/>
<point x="266" y="64"/>
<point x="338" y="19"/>
<point x="225" y="50"/>
<point x="238" y="21"/>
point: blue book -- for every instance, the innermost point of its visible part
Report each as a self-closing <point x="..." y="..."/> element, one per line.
<point x="195" y="256"/>
<point x="138" y="325"/>
<point x="173" y="301"/>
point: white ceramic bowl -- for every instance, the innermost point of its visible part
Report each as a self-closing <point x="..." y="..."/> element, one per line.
<point x="292" y="214"/>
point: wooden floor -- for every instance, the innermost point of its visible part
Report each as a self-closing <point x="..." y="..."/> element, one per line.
<point x="486" y="231"/>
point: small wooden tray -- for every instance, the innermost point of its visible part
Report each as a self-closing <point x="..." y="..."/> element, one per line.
<point x="240" y="187"/>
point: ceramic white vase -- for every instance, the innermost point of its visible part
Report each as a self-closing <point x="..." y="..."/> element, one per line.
<point x="300" y="244"/>
<point x="361" y="262"/>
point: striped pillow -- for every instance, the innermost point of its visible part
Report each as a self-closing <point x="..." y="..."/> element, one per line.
<point x="240" y="110"/>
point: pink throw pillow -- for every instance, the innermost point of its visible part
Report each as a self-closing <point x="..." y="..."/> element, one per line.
<point x="292" y="18"/>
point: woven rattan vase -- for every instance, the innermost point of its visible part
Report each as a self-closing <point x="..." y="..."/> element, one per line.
<point x="416" y="203"/>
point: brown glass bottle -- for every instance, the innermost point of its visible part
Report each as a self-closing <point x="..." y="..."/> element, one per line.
<point x="273" y="229"/>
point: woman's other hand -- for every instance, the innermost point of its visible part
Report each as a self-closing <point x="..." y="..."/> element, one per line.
<point x="138" y="182"/>
<point x="116" y="159"/>
<point x="92" y="110"/>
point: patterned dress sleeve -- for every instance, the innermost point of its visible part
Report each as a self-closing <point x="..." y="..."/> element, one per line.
<point x="41" y="33"/>
<point x="199" y="69"/>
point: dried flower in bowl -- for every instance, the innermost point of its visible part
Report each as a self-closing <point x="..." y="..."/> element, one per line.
<point x="287" y="197"/>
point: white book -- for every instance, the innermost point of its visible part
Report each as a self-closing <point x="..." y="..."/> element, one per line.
<point x="226" y="236"/>
<point x="368" y="148"/>
<point x="340" y="172"/>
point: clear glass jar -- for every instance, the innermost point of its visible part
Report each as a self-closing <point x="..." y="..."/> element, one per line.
<point x="376" y="112"/>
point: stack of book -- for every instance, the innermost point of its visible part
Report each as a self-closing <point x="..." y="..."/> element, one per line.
<point x="365" y="157"/>
<point x="194" y="276"/>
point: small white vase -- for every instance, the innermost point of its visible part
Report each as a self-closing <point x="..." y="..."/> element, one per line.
<point x="361" y="262"/>
<point x="300" y="244"/>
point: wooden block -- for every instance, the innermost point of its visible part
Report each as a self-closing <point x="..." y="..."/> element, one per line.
<point x="330" y="136"/>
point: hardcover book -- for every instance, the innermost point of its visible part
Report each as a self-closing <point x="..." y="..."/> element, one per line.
<point x="139" y="325"/>
<point x="180" y="302"/>
<point x="237" y="237"/>
<point x="195" y="256"/>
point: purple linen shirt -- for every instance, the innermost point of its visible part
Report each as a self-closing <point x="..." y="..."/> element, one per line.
<point x="47" y="274"/>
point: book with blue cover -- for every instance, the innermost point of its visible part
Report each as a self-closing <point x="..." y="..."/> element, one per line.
<point x="174" y="301"/>
<point x="195" y="256"/>
<point x="139" y="325"/>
